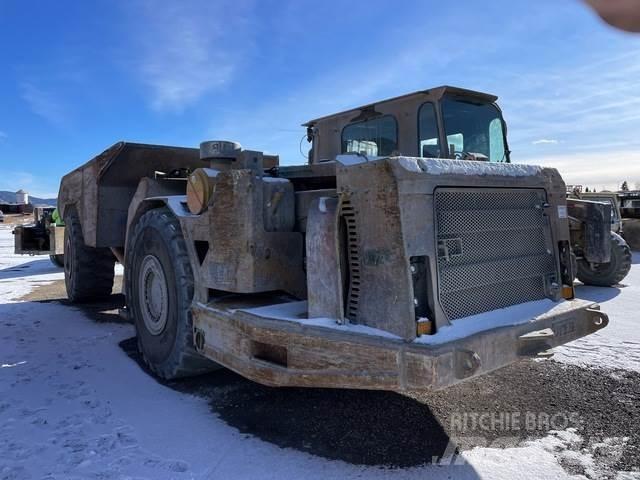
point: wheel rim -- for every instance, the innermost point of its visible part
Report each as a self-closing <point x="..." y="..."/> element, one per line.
<point x="154" y="298"/>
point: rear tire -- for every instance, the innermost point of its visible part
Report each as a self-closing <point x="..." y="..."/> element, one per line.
<point x="608" y="274"/>
<point x="88" y="271"/>
<point x="57" y="260"/>
<point x="159" y="291"/>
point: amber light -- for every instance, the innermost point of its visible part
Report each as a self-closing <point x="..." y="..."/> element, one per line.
<point x="424" y="328"/>
<point x="567" y="292"/>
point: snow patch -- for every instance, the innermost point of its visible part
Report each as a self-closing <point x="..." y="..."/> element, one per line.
<point x="349" y="159"/>
<point x="274" y="180"/>
<point x="439" y="166"/>
<point x="503" y="317"/>
<point x="20" y="274"/>
<point x="322" y="204"/>
<point x="297" y="312"/>
<point x="617" y="345"/>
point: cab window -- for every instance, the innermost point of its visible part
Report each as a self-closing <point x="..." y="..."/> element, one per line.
<point x="429" y="145"/>
<point x="373" y="137"/>
<point x="473" y="129"/>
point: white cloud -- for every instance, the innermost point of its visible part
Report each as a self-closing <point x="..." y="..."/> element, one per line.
<point x="3" y="136"/>
<point x="595" y="170"/>
<point x="188" y="49"/>
<point x="577" y="103"/>
<point x="581" y="102"/>
<point x="39" y="186"/>
<point x="44" y="103"/>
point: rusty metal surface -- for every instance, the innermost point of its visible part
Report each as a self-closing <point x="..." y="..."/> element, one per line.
<point x="102" y="188"/>
<point x="326" y="132"/>
<point x="393" y="203"/>
<point x="357" y="239"/>
<point x="325" y="280"/>
<point x="315" y="356"/>
<point x="246" y="256"/>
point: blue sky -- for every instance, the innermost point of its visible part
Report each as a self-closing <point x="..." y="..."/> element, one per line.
<point x="79" y="76"/>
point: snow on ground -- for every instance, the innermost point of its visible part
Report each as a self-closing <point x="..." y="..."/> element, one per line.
<point x="617" y="345"/>
<point x="73" y="405"/>
<point x="20" y="273"/>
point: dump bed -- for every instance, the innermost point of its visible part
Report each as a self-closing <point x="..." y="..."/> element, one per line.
<point x="102" y="188"/>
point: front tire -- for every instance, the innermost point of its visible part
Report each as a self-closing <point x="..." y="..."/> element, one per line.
<point x="159" y="291"/>
<point x="88" y="271"/>
<point x="608" y="274"/>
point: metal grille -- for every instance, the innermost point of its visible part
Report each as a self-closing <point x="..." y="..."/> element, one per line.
<point x="494" y="249"/>
<point x="353" y="258"/>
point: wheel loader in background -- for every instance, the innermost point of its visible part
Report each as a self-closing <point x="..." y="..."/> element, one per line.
<point x="45" y="236"/>
<point x="597" y="266"/>
<point x="408" y="253"/>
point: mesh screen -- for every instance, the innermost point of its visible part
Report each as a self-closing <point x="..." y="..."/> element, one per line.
<point x="493" y="248"/>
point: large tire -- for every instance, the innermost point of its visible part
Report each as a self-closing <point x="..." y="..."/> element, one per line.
<point x="608" y="274"/>
<point x="57" y="260"/>
<point x="159" y="291"/>
<point x="631" y="232"/>
<point x="88" y="271"/>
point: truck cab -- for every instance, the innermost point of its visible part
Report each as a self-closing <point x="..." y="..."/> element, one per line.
<point x="443" y="122"/>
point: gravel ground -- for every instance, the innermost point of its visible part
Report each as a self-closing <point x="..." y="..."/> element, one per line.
<point x="389" y="429"/>
<point x="527" y="400"/>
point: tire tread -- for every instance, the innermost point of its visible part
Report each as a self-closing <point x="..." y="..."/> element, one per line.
<point x="620" y="253"/>
<point x="184" y="360"/>
<point x="94" y="267"/>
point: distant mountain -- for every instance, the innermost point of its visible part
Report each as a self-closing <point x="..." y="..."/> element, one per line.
<point x="10" y="197"/>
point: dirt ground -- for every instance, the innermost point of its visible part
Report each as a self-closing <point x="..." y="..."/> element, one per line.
<point x="16" y="219"/>
<point x="389" y="429"/>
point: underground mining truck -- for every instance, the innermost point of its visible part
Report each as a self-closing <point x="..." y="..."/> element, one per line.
<point x="408" y="253"/>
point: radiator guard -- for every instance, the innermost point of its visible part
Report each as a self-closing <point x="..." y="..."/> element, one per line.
<point x="494" y="249"/>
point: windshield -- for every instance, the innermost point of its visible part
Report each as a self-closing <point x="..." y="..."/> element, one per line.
<point x="474" y="129"/>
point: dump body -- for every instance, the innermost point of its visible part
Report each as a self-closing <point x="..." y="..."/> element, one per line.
<point x="102" y="189"/>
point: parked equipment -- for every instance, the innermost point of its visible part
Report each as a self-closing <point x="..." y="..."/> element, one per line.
<point x="603" y="257"/>
<point x="408" y="253"/>
<point x="43" y="237"/>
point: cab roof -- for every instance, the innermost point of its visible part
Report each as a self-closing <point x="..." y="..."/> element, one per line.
<point x="435" y="92"/>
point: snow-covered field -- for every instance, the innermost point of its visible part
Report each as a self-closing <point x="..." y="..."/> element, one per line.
<point x="73" y="405"/>
<point x="618" y="345"/>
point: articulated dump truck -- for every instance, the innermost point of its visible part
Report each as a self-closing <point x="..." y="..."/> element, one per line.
<point x="408" y="253"/>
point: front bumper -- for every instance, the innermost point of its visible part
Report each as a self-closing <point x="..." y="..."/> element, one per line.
<point x="279" y="347"/>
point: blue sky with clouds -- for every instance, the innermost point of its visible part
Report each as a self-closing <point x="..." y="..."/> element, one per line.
<point x="79" y="76"/>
